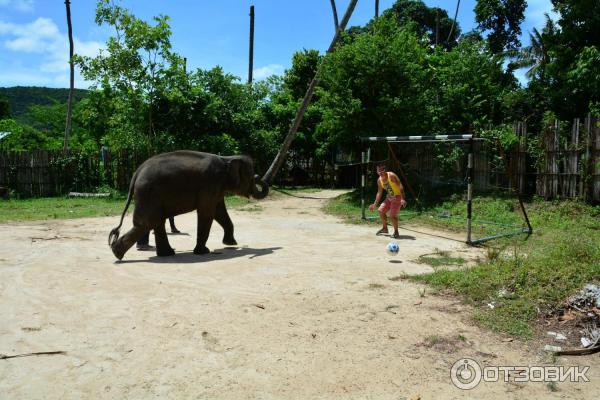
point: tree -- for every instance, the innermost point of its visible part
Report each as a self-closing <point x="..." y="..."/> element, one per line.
<point x="134" y="65"/>
<point x="304" y="67"/>
<point x="432" y="22"/>
<point x="467" y="85"/>
<point x="4" y="108"/>
<point x="376" y="84"/>
<point x="21" y="137"/>
<point x="585" y="76"/>
<point x="579" y="23"/>
<point x="502" y="19"/>
<point x="536" y="56"/>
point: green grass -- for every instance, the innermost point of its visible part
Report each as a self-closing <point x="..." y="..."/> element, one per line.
<point x="521" y="279"/>
<point x="59" y="208"/>
<point x="64" y="207"/>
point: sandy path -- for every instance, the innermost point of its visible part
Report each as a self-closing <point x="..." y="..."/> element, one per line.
<point x="302" y="309"/>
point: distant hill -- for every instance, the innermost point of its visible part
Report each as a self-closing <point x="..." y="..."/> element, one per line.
<point x="21" y="97"/>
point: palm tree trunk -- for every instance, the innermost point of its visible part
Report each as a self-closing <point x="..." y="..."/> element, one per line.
<point x="280" y="157"/>
<point x="335" y="16"/>
<point x="71" y="80"/>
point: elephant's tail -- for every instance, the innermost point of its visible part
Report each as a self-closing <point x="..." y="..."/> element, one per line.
<point x="114" y="233"/>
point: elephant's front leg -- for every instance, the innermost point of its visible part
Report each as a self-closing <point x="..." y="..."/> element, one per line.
<point x="204" y="224"/>
<point x="222" y="217"/>
<point x="163" y="248"/>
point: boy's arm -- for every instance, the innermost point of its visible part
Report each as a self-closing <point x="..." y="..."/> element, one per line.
<point x="378" y="196"/>
<point x="401" y="187"/>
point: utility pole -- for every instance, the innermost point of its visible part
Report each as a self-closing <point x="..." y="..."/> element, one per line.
<point x="437" y="26"/>
<point x="71" y="80"/>
<point x="251" y="50"/>
<point x="376" y="8"/>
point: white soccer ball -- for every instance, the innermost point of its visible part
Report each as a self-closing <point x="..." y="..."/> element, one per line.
<point x="392" y="248"/>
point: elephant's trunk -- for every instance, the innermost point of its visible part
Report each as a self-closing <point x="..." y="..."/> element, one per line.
<point x="264" y="188"/>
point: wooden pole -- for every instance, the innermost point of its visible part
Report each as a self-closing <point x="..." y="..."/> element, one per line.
<point x="71" y="79"/>
<point x="251" y="50"/>
<point x="470" y="175"/>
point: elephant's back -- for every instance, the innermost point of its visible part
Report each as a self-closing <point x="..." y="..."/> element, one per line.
<point x="182" y="172"/>
<point x="180" y="163"/>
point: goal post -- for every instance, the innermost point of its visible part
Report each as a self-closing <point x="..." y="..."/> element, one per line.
<point x="470" y="140"/>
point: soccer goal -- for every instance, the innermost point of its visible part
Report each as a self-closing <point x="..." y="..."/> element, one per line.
<point x="437" y="170"/>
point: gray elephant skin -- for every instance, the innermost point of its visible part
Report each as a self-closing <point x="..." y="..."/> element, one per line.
<point x="175" y="183"/>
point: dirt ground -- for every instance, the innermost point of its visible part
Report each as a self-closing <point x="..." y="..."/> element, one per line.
<point x="302" y="309"/>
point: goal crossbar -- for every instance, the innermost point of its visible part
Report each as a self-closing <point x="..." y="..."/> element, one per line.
<point x="420" y="138"/>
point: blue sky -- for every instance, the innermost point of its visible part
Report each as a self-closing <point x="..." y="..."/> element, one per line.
<point x="34" y="44"/>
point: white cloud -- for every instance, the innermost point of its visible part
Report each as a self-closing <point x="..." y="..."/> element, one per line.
<point x="37" y="37"/>
<point x="20" y="5"/>
<point x="268" y="70"/>
<point x="48" y="48"/>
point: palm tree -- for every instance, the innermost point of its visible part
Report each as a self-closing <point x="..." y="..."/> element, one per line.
<point x="536" y="56"/>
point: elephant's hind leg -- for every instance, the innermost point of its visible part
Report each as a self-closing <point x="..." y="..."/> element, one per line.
<point x="163" y="248"/>
<point x="204" y="224"/>
<point x="124" y="243"/>
<point x="222" y="218"/>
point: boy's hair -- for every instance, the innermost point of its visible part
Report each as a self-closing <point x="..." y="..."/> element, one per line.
<point x="381" y="168"/>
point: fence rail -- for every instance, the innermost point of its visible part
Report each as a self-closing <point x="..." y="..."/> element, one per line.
<point x="566" y="165"/>
<point x="42" y="173"/>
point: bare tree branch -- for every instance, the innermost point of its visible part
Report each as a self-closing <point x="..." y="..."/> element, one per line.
<point x="280" y="157"/>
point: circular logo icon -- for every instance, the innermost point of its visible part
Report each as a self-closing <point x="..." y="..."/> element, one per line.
<point x="465" y="373"/>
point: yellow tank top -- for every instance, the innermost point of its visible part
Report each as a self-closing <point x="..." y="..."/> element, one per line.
<point x="390" y="187"/>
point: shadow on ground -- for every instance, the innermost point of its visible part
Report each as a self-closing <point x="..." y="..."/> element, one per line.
<point x="189" y="257"/>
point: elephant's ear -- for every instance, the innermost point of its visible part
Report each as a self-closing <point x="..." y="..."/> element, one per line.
<point x="234" y="173"/>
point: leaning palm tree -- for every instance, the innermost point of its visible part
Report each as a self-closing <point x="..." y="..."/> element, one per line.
<point x="287" y="141"/>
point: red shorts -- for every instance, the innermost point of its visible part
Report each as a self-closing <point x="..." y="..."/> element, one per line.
<point x="391" y="204"/>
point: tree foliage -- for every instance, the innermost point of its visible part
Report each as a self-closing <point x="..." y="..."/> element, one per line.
<point x="386" y="78"/>
<point x="4" y="108"/>
<point x="432" y="22"/>
<point x="502" y="19"/>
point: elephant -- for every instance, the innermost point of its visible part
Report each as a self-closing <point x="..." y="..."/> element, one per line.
<point x="170" y="184"/>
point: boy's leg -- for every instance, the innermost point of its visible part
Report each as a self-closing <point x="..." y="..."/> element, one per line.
<point x="383" y="209"/>
<point x="394" y="208"/>
<point x="395" y="224"/>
